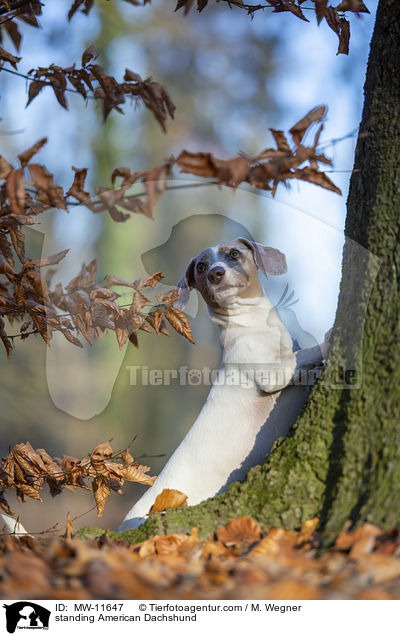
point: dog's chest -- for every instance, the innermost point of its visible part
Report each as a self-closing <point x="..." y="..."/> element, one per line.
<point x="253" y="334"/>
<point x="242" y="347"/>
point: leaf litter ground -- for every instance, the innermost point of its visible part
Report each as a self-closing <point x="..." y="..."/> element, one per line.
<point x="238" y="562"/>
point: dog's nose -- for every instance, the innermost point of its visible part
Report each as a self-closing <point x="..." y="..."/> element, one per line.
<point x="216" y="274"/>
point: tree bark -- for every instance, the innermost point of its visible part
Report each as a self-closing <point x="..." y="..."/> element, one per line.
<point x="342" y="458"/>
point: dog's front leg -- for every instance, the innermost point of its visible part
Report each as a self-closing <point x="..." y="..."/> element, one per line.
<point x="306" y="358"/>
<point x="276" y="377"/>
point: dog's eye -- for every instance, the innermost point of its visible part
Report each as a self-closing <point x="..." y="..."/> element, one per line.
<point x="201" y="267"/>
<point x="234" y="254"/>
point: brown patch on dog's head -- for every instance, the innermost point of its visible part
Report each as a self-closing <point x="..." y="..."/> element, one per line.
<point x="229" y="271"/>
<point x="268" y="259"/>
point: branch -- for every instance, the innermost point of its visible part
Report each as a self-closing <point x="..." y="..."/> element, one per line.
<point x="91" y="81"/>
<point x="31" y="79"/>
<point x="334" y="16"/>
<point x="26" y="471"/>
<point x="26" y="295"/>
<point x="29" y="5"/>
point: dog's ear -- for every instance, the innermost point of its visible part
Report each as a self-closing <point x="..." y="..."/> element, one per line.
<point x="268" y="259"/>
<point x="185" y="284"/>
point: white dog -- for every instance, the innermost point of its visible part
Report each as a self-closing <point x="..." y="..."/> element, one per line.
<point x="251" y="402"/>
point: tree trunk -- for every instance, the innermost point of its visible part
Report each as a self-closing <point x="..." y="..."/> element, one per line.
<point x="342" y="458"/>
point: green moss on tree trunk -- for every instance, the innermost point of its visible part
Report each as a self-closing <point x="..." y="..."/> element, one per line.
<point x="342" y="458"/>
<point x="366" y="484"/>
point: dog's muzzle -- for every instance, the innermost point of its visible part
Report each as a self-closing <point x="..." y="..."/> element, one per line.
<point x="216" y="274"/>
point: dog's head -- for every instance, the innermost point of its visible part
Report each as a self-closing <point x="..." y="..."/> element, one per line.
<point x="229" y="271"/>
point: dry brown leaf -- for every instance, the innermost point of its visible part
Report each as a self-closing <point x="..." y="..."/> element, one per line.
<point x="13" y="32"/>
<point x="50" y="465"/>
<point x="198" y="163"/>
<point x="8" y="57"/>
<point x="134" y="473"/>
<point x="359" y="541"/>
<point x="288" y="5"/>
<point x="155" y="319"/>
<point x="187" y="4"/>
<point x="125" y="456"/>
<point x="365" y="540"/>
<point x="238" y="530"/>
<point x="184" y="567"/>
<point x="231" y="171"/>
<point x="89" y="54"/>
<point x="148" y="281"/>
<point x="103" y="450"/>
<point x="320" y="9"/>
<point x="234" y="171"/>
<point x="117" y="281"/>
<point x="128" y="178"/>
<point x="381" y="568"/>
<point x="180" y="322"/>
<point x="190" y="548"/>
<point x="169" y="298"/>
<point x="170" y="544"/>
<point x="16" y="191"/>
<point x="5" y="267"/>
<point x="24" y="490"/>
<point x="92" y="308"/>
<point x="344" y="36"/>
<point x="101" y="493"/>
<point x="5" y="168"/>
<point x="77" y="188"/>
<point x="26" y="451"/>
<point x="271" y="166"/>
<point x="155" y="181"/>
<point x="139" y="301"/>
<point x="34" y="89"/>
<point x="274" y="541"/>
<point x="314" y="176"/>
<point x="69" y="528"/>
<point x="26" y="470"/>
<point x="357" y="6"/>
<point x="299" y="129"/>
<point x="26" y="156"/>
<point x="340" y="26"/>
<point x="214" y="549"/>
<point x="85" y="277"/>
<point x="48" y="192"/>
<point x="133" y="339"/>
<point x="18" y="241"/>
<point x="169" y="498"/>
<point x="50" y="260"/>
<point x="4" y="504"/>
<point x="307" y="530"/>
<point x="280" y="140"/>
<point x="148" y="548"/>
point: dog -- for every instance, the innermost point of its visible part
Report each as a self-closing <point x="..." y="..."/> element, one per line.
<point x="253" y="400"/>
